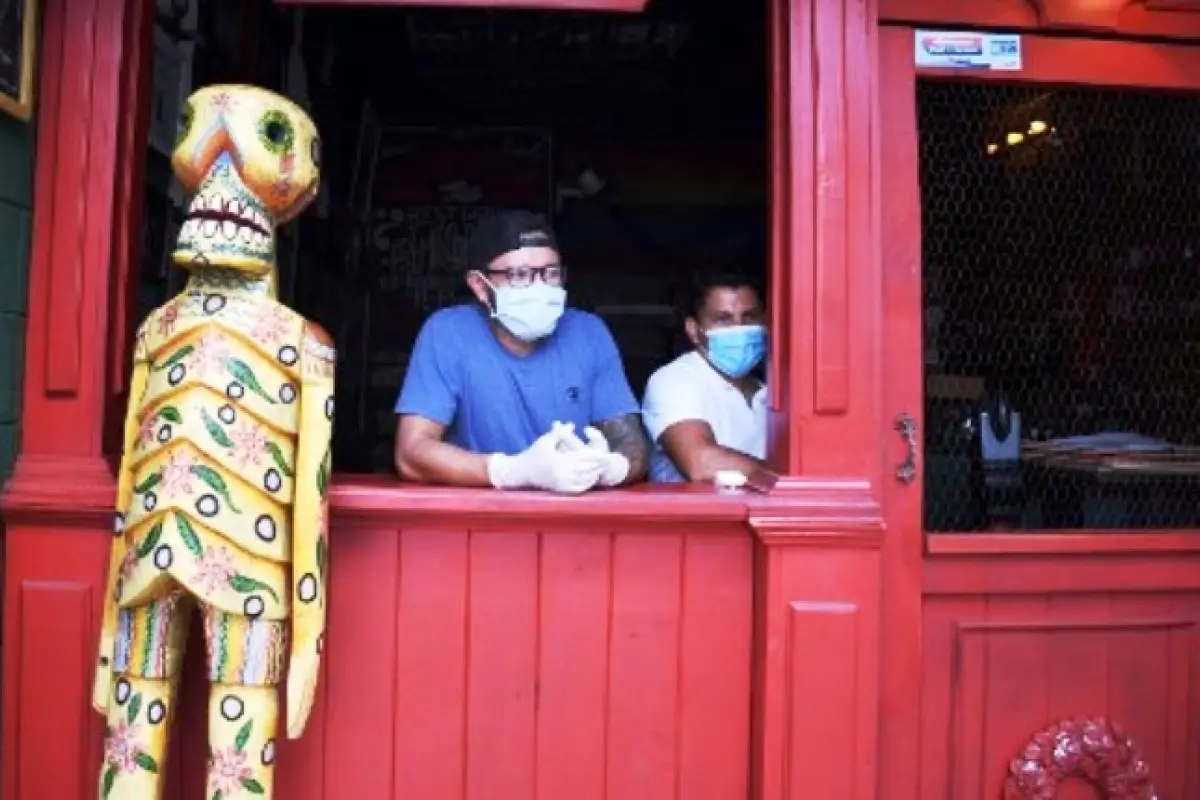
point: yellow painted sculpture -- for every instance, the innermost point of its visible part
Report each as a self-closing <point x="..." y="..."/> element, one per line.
<point x="221" y="493"/>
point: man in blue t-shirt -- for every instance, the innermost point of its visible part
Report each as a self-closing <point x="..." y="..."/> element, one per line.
<point x="517" y="391"/>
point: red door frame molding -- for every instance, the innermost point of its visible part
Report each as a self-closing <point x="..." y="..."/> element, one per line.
<point x="822" y="549"/>
<point x="57" y="504"/>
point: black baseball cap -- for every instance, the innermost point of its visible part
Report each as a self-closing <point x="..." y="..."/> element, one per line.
<point x="505" y="231"/>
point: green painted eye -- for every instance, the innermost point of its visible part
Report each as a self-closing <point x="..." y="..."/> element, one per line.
<point x="276" y="132"/>
<point x="186" y="118"/>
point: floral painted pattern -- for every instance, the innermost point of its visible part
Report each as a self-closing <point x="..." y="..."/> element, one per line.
<point x="208" y="355"/>
<point x="175" y="479"/>
<point x="146" y="428"/>
<point x="126" y="569"/>
<point x="123" y="751"/>
<point x="323" y="520"/>
<point x="229" y="768"/>
<point x="249" y="443"/>
<point x="213" y="354"/>
<point x="270" y="324"/>
<point x="121" y="747"/>
<point x="168" y="318"/>
<point x="177" y="474"/>
<point x="145" y="434"/>
<point x="128" y="563"/>
<point x="215" y="569"/>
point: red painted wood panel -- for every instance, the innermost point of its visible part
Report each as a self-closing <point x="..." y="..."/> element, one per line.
<point x="54" y="620"/>
<point x="496" y="653"/>
<point x="1000" y="668"/>
<point x="819" y="693"/>
<point x="359" y="666"/>
<point x="52" y="579"/>
<point x="501" y="630"/>
<point x="431" y="659"/>
<point x="519" y="664"/>
<point x="71" y="248"/>
<point x="713" y="595"/>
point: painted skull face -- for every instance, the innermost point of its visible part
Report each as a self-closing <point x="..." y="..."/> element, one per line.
<point x="252" y="160"/>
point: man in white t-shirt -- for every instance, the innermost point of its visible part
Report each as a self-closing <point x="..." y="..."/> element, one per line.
<point x="706" y="411"/>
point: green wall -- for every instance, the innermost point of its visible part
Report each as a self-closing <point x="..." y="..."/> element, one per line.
<point x="16" y="176"/>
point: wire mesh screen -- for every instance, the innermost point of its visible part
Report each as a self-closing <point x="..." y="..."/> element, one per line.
<point x="1061" y="286"/>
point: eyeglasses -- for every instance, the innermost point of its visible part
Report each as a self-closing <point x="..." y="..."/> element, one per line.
<point x="518" y="277"/>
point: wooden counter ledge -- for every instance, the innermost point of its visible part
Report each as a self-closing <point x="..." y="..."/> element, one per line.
<point x="381" y="496"/>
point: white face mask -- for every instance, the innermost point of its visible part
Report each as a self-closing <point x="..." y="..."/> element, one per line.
<point x="529" y="312"/>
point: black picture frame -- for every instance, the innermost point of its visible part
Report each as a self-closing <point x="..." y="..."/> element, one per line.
<point x="18" y="38"/>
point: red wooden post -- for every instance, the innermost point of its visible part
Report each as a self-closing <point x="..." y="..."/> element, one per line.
<point x="821" y="538"/>
<point x="825" y="245"/>
<point x="817" y="614"/>
<point x="61" y="462"/>
<point x="58" y="504"/>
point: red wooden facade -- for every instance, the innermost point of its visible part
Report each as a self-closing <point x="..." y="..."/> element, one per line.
<point x="641" y="644"/>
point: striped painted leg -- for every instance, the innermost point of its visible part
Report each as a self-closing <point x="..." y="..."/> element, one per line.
<point x="147" y="655"/>
<point x="245" y="663"/>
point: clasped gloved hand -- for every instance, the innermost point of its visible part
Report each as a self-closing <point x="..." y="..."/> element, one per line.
<point x="556" y="462"/>
<point x="616" y="466"/>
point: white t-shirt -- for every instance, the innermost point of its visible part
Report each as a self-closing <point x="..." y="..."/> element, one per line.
<point x="689" y="388"/>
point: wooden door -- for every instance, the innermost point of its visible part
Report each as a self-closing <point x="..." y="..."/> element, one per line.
<point x="900" y="234"/>
<point x="994" y="632"/>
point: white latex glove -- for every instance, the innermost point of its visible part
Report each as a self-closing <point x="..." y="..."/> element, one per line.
<point x="567" y="438"/>
<point x="616" y="466"/>
<point x="551" y="463"/>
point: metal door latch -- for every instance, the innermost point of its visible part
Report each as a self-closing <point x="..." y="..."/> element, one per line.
<point x="906" y="426"/>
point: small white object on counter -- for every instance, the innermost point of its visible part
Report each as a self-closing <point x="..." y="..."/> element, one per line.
<point x="729" y="479"/>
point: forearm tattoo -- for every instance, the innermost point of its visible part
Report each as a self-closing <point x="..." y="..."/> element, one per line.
<point x="625" y="436"/>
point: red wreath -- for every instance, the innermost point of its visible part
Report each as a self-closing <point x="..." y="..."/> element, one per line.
<point x="1093" y="749"/>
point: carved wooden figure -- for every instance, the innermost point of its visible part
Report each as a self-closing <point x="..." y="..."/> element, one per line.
<point x="221" y="493"/>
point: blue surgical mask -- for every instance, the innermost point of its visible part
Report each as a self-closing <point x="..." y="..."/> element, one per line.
<point x="736" y="350"/>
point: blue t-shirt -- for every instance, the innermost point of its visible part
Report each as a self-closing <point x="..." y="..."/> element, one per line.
<point x="494" y="401"/>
